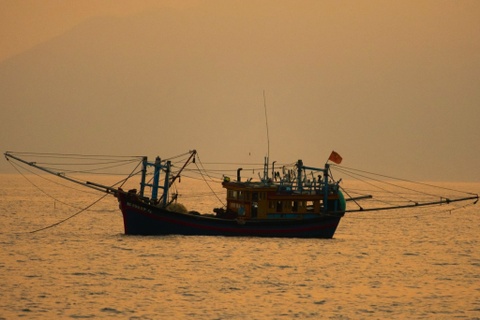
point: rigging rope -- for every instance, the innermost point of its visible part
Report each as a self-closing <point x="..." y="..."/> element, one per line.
<point x="109" y="163"/>
<point x="443" y="199"/>
<point x="378" y="187"/>
<point x="121" y="182"/>
<point x="72" y="155"/>
<point x="395" y="178"/>
<point x="384" y="182"/>
<point x="73" y="215"/>
<point x="177" y="156"/>
<point x="51" y="181"/>
<point x="220" y="200"/>
<point x="368" y="178"/>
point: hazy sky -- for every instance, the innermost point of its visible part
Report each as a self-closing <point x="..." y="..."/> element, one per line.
<point x="393" y="86"/>
<point x="26" y="23"/>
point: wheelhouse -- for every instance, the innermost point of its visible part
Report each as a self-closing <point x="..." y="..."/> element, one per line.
<point x="287" y="198"/>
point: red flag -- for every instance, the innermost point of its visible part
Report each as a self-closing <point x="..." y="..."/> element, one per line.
<point x="335" y="157"/>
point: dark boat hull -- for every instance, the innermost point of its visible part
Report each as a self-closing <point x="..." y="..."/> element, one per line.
<point x="144" y="219"/>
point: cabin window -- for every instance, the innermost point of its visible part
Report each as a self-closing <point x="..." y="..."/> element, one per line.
<point x="255" y="196"/>
<point x="279" y="206"/>
<point x="240" y="195"/>
<point x="232" y="194"/>
<point x="234" y="206"/>
<point x="254" y="209"/>
<point x="294" y="206"/>
<point x="310" y="206"/>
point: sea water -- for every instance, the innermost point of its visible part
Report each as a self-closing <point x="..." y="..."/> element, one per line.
<point x="419" y="264"/>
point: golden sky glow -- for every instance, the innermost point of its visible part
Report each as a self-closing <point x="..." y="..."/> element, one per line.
<point x="390" y="85"/>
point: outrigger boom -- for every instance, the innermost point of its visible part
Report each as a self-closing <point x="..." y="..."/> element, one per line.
<point x="416" y="204"/>
<point x="91" y="185"/>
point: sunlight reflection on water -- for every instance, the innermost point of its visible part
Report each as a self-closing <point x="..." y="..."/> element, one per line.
<point x="384" y="265"/>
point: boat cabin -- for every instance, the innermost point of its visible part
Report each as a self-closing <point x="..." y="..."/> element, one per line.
<point x="286" y="198"/>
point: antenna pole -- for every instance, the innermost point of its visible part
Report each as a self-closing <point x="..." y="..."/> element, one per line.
<point x="268" y="137"/>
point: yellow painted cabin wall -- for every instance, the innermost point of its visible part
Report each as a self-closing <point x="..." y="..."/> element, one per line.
<point x="237" y="196"/>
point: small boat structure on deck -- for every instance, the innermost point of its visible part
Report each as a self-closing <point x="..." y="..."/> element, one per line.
<point x="304" y="202"/>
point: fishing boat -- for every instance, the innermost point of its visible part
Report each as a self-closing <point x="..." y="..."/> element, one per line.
<point x="301" y="202"/>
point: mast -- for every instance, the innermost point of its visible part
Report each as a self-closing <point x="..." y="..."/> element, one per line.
<point x="267" y="158"/>
<point x="325" y="188"/>
<point x="265" y="169"/>
<point x="144" y="174"/>
<point x="166" y="184"/>
<point x="299" y="175"/>
<point x="158" y="167"/>
<point x="156" y="177"/>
